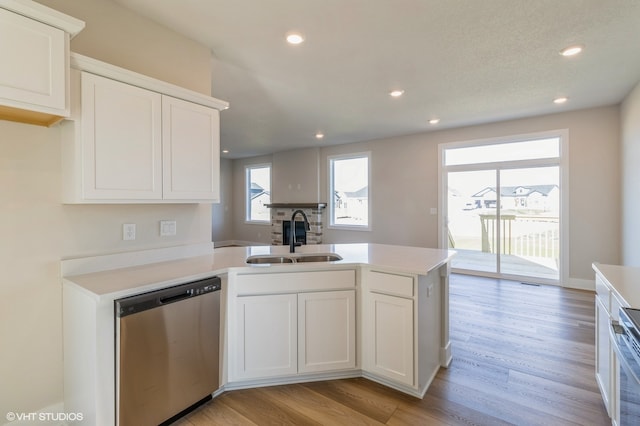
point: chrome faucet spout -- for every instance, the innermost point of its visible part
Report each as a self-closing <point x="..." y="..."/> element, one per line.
<point x="292" y="230"/>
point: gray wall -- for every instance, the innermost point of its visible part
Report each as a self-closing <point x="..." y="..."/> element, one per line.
<point x="630" y="123"/>
<point x="405" y="185"/>
<point x="221" y="213"/>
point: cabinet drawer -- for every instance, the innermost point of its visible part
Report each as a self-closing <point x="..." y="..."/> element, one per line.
<point x="396" y="285"/>
<point x="294" y="282"/>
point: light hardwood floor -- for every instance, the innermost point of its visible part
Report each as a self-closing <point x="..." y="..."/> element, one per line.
<point x="522" y="355"/>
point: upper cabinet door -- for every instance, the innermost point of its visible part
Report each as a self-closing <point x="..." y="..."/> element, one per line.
<point x="121" y="141"/>
<point x="33" y="76"/>
<point x="191" y="157"/>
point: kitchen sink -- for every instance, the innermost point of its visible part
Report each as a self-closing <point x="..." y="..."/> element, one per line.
<point x="293" y="258"/>
<point x="327" y="257"/>
<point x="258" y="259"/>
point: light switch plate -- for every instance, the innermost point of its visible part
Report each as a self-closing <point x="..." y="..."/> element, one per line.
<point x="167" y="228"/>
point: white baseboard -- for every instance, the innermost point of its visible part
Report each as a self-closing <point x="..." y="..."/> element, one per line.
<point x="241" y="243"/>
<point x="582" y="284"/>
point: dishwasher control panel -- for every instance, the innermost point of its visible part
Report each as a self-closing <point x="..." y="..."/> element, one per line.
<point x="145" y="301"/>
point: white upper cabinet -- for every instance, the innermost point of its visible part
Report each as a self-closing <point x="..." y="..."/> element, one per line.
<point x="121" y="140"/>
<point x="191" y="150"/>
<point x="134" y="139"/>
<point x="34" y="46"/>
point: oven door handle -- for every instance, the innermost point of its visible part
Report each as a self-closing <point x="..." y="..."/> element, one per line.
<point x="619" y="343"/>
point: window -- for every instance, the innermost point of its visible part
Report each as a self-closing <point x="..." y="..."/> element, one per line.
<point x="349" y="191"/>
<point x="258" y="193"/>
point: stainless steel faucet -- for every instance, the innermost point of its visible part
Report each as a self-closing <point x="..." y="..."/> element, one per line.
<point x="292" y="230"/>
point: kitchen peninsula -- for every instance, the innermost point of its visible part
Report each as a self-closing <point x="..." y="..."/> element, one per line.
<point x="381" y="312"/>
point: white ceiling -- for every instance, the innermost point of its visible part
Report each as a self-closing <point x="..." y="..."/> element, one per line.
<point x="463" y="61"/>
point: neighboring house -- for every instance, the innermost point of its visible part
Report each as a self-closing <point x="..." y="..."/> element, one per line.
<point x="352" y="204"/>
<point x="531" y="197"/>
<point x="259" y="199"/>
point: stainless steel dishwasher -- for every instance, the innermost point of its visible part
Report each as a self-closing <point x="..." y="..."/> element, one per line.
<point x="167" y="351"/>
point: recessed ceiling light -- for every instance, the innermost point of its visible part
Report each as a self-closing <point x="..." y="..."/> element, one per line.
<point x="396" y="93"/>
<point x="225" y="151"/>
<point x="319" y="135"/>
<point x="560" y="100"/>
<point x="294" y="38"/>
<point x="571" y="51"/>
<point x="434" y="121"/>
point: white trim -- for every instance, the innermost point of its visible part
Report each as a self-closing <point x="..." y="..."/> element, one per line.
<point x="330" y="207"/>
<point x="247" y="192"/>
<point x="44" y="14"/>
<point x="93" y="66"/>
<point x="581" y="284"/>
<point x="242" y="243"/>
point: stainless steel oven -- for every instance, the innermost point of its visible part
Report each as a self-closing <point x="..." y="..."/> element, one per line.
<point x="625" y="339"/>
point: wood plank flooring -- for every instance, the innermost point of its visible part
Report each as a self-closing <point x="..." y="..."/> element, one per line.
<point x="522" y="355"/>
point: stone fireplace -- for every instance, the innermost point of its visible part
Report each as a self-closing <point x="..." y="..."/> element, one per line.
<point x="282" y="212"/>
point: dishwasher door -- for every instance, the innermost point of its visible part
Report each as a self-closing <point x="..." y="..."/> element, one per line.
<point x="167" y="357"/>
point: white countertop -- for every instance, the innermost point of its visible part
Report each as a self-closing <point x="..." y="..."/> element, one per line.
<point x="122" y="282"/>
<point x="624" y="280"/>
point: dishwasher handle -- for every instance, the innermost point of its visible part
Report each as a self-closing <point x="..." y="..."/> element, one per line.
<point x="155" y="299"/>
<point x="170" y="299"/>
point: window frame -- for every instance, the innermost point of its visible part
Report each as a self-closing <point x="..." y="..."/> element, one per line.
<point x="247" y="192"/>
<point x="331" y="207"/>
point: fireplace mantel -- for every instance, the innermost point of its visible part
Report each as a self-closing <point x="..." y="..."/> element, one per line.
<point x="297" y="205"/>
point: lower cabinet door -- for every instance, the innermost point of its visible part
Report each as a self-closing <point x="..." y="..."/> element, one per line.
<point x="604" y="377"/>
<point x="267" y="338"/>
<point x="326" y="331"/>
<point x="390" y="339"/>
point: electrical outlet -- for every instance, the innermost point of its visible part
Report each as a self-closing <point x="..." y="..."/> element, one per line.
<point x="129" y="231"/>
<point x="167" y="228"/>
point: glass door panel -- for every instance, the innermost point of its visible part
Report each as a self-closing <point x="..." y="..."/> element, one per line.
<point x="471" y="197"/>
<point x="529" y="222"/>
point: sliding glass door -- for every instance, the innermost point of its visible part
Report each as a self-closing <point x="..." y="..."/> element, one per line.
<point x="465" y="233"/>
<point x="503" y="208"/>
<point x="530" y="222"/>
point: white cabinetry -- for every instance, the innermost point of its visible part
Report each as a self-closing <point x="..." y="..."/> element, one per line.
<point x="390" y="343"/>
<point x="308" y="326"/>
<point x="395" y="307"/>
<point x="129" y="142"/>
<point x="121" y="141"/>
<point x="604" y="358"/>
<point x="326" y="331"/>
<point x="267" y="339"/>
<point x="191" y="151"/>
<point x="607" y="307"/>
<point x="34" y="46"/>
<point x="389" y="334"/>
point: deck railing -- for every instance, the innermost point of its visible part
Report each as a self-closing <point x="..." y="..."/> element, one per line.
<point x="521" y="235"/>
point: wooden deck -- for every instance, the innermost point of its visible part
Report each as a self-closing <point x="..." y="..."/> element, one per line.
<point x="510" y="264"/>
